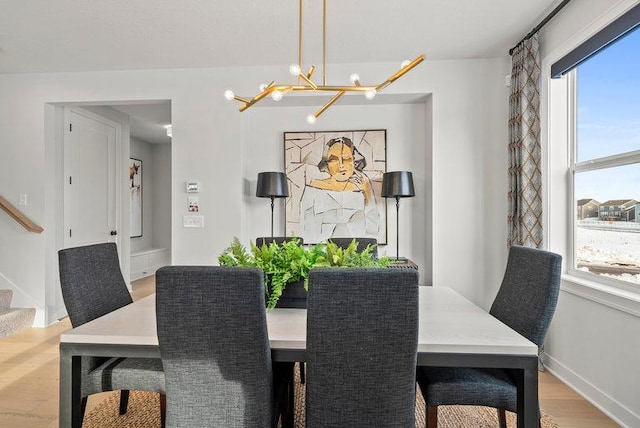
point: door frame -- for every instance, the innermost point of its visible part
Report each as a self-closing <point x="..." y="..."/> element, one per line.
<point x="57" y="121"/>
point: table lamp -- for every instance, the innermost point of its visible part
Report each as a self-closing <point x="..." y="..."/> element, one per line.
<point x="397" y="184"/>
<point x="272" y="185"/>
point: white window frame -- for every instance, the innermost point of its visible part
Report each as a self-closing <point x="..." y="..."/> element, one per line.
<point x="622" y="159"/>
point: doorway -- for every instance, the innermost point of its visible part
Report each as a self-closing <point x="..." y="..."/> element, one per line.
<point x="94" y="144"/>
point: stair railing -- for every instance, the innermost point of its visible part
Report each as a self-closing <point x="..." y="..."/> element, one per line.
<point x="18" y="216"/>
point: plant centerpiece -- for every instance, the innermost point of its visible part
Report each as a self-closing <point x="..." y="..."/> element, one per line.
<point x="288" y="264"/>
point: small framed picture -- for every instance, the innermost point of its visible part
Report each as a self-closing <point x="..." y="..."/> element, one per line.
<point x="135" y="190"/>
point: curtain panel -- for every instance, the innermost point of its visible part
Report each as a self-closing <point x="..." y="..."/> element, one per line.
<point x="525" y="173"/>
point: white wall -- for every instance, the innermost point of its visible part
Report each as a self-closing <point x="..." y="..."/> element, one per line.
<point x="161" y="195"/>
<point x="469" y="179"/>
<point x="592" y="344"/>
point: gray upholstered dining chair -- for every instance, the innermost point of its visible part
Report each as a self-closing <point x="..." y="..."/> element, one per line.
<point x="525" y="302"/>
<point x="362" y="338"/>
<point x="212" y="332"/>
<point x="92" y="286"/>
<point x="363" y="243"/>
<point x="277" y="239"/>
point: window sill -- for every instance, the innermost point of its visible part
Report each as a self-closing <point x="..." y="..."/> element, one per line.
<point x="613" y="297"/>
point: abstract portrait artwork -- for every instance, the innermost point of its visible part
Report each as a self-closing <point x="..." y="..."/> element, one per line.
<point x="335" y="180"/>
<point x="135" y="189"/>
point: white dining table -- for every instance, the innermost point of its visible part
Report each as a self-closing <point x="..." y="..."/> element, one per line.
<point x="453" y="332"/>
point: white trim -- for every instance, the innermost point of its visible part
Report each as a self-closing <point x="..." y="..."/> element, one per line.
<point x="621" y="414"/>
<point x="619" y="159"/>
<point x="572" y="101"/>
<point x="612" y="296"/>
<point x="15" y="287"/>
<point x="148" y="262"/>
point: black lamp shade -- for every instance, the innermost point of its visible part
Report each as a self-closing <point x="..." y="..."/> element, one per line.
<point x="397" y="184"/>
<point x="272" y="184"/>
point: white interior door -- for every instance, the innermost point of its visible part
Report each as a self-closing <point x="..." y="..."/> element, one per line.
<point x="90" y="200"/>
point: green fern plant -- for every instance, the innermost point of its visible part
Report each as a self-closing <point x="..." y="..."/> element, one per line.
<point x="291" y="262"/>
<point x="350" y="257"/>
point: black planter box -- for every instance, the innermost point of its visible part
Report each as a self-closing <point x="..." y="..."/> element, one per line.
<point x="294" y="296"/>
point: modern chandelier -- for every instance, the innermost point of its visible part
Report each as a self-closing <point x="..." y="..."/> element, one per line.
<point x="305" y="83"/>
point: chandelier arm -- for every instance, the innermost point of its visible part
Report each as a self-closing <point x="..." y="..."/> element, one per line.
<point x="258" y="97"/>
<point x="311" y="70"/>
<point x="306" y="79"/>
<point x="335" y="98"/>
<point x="400" y="73"/>
<point x="343" y="88"/>
<point x="287" y="88"/>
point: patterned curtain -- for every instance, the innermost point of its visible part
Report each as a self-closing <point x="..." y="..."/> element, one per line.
<point x="525" y="175"/>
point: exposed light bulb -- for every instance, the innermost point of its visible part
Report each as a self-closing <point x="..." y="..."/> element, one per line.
<point x="405" y="63"/>
<point x="354" y="78"/>
<point x="228" y="94"/>
<point x="276" y="95"/>
<point x="371" y="94"/>
<point x="262" y="87"/>
<point x="311" y="119"/>
<point x="294" y="69"/>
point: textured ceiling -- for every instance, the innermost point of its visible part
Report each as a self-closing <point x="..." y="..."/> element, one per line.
<point x="82" y="35"/>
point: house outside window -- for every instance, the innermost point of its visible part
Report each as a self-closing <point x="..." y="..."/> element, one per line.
<point x="605" y="163"/>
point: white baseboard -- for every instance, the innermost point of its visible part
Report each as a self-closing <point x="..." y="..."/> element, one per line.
<point x="145" y="273"/>
<point x="146" y="263"/>
<point x="604" y="402"/>
<point x="39" y="320"/>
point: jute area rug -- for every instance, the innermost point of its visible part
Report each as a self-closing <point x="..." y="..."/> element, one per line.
<point x="144" y="412"/>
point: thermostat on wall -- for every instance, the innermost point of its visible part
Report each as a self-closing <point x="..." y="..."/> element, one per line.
<point x="192" y="186"/>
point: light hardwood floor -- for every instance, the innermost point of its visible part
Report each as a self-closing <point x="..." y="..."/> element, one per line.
<point x="29" y="373"/>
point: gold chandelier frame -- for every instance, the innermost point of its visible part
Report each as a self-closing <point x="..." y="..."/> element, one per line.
<point x="277" y="90"/>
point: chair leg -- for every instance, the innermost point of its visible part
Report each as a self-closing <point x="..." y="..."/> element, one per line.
<point x="124" y="401"/>
<point x="301" y="364"/>
<point x="502" y="418"/>
<point x="432" y="417"/>
<point x="83" y="408"/>
<point x="163" y="410"/>
<point x="286" y="407"/>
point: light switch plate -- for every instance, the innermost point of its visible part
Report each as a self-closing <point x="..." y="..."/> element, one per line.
<point x="22" y="199"/>
<point x="192" y="187"/>
<point x="193" y="221"/>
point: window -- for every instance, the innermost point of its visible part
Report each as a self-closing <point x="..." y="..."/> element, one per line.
<point x="605" y="162"/>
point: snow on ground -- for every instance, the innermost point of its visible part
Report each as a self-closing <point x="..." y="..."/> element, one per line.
<point x="613" y="247"/>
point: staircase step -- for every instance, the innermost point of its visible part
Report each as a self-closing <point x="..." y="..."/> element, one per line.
<point x="5" y="299"/>
<point x="14" y="320"/>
